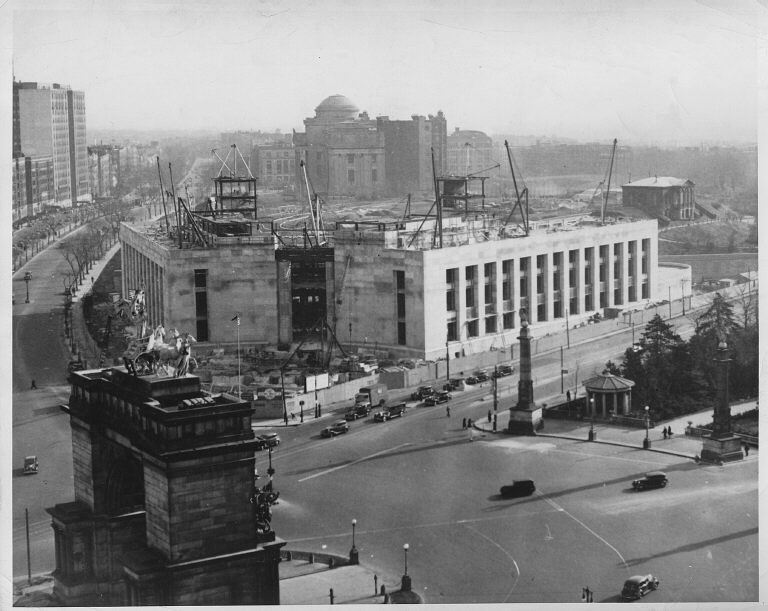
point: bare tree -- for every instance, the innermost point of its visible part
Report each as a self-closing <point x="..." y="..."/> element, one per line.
<point x="747" y="299"/>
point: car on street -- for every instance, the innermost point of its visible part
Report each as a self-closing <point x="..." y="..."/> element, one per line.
<point x="638" y="586"/>
<point x="519" y="487"/>
<point x="31" y="465"/>
<point x="503" y="371"/>
<point x="438" y="397"/>
<point x="267" y="440"/>
<point x="482" y="376"/>
<point x="453" y="384"/>
<point x="652" y="479"/>
<point x="472" y="380"/>
<point x="358" y="411"/>
<point x="337" y="428"/>
<point x="422" y="392"/>
<point x="393" y="411"/>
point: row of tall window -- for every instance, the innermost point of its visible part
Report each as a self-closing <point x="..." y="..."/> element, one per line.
<point x="534" y="290"/>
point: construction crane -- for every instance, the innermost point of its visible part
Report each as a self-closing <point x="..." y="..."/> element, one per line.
<point x="314" y="208"/>
<point x="520" y="196"/>
<point x="608" y="189"/>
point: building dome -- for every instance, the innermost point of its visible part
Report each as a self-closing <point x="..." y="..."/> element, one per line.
<point x="337" y="107"/>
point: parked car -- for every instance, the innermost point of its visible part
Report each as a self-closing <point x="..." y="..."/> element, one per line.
<point x="638" y="586"/>
<point x="503" y="371"/>
<point x="520" y="487"/>
<point x="453" y="384"/>
<point x="482" y="376"/>
<point x="393" y="411"/>
<point x="337" y="428"/>
<point x="358" y="411"/>
<point x="652" y="479"/>
<point x="471" y="380"/>
<point x="422" y="392"/>
<point x="438" y="397"/>
<point x="267" y="440"/>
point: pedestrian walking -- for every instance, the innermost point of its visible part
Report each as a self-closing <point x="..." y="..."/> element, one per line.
<point x="447" y="411"/>
<point x="746" y="450"/>
<point x="489" y="416"/>
<point x="33" y="386"/>
<point x="664" y="430"/>
<point x="669" y="432"/>
<point x="463" y="423"/>
<point x="494" y="422"/>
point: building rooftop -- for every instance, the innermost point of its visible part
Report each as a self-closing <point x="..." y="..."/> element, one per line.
<point x="659" y="181"/>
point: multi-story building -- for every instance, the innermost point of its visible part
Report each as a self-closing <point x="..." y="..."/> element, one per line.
<point x="348" y="154"/>
<point x="469" y="152"/>
<point x="664" y="197"/>
<point x="51" y="122"/>
<point x="32" y="186"/>
<point x="343" y="151"/>
<point x="408" y="147"/>
<point x="392" y="282"/>
<point x="275" y="165"/>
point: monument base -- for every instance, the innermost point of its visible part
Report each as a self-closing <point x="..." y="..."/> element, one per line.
<point x="525" y="421"/>
<point x="725" y="449"/>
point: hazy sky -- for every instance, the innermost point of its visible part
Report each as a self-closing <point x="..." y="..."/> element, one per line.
<point x="673" y="70"/>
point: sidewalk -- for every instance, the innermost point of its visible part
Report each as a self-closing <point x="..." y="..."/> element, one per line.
<point x="301" y="583"/>
<point x="606" y="433"/>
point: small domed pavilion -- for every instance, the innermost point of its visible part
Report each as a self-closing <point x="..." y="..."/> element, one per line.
<point x="608" y="394"/>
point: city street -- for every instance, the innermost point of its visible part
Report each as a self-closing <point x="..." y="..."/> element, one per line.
<point x="420" y="480"/>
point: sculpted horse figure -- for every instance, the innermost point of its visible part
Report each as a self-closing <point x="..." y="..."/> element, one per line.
<point x="134" y="310"/>
<point x="158" y="351"/>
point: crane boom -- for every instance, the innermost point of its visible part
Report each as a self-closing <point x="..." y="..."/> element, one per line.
<point x="608" y="189"/>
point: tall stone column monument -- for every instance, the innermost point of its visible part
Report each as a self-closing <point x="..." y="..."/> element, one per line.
<point x="525" y="417"/>
<point x="722" y="445"/>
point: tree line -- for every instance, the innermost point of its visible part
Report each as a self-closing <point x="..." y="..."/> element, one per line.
<point x="675" y="377"/>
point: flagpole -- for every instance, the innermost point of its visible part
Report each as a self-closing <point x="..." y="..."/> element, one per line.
<point x="238" y="357"/>
<point x="236" y="320"/>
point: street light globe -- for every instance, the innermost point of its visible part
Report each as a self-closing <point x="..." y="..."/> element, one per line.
<point x="354" y="521"/>
<point x="647" y="409"/>
<point x="405" y="546"/>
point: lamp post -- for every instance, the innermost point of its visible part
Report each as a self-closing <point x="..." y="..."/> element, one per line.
<point x="592" y="419"/>
<point x="647" y="440"/>
<point x="301" y="410"/>
<point x="405" y="584"/>
<point x="27" y="278"/>
<point x="353" y="557"/>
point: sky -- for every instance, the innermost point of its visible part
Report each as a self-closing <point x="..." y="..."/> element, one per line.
<point x="672" y="71"/>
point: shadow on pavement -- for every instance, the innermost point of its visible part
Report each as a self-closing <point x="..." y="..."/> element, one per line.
<point x="693" y="546"/>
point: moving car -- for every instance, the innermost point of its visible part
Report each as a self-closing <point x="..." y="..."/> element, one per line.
<point x="503" y="371"/>
<point x="393" y="411"/>
<point x="438" y="397"/>
<point x="481" y="376"/>
<point x="267" y="440"/>
<point x="422" y="392"/>
<point x="30" y="465"/>
<point x="519" y="487"/>
<point x="652" y="479"/>
<point x="337" y="428"/>
<point x="471" y="380"/>
<point x="638" y="586"/>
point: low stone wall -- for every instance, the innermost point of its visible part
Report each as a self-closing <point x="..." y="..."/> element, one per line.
<point x="332" y="560"/>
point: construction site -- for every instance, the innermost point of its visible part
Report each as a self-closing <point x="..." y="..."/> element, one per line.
<point x="276" y="302"/>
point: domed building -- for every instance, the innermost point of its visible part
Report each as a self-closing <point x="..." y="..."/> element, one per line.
<point x="349" y="155"/>
<point x="336" y="108"/>
<point x="342" y="150"/>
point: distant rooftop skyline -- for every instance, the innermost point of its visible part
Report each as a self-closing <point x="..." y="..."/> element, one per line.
<point x="643" y="72"/>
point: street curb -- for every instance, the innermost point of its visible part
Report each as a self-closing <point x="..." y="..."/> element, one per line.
<point x="573" y="438"/>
